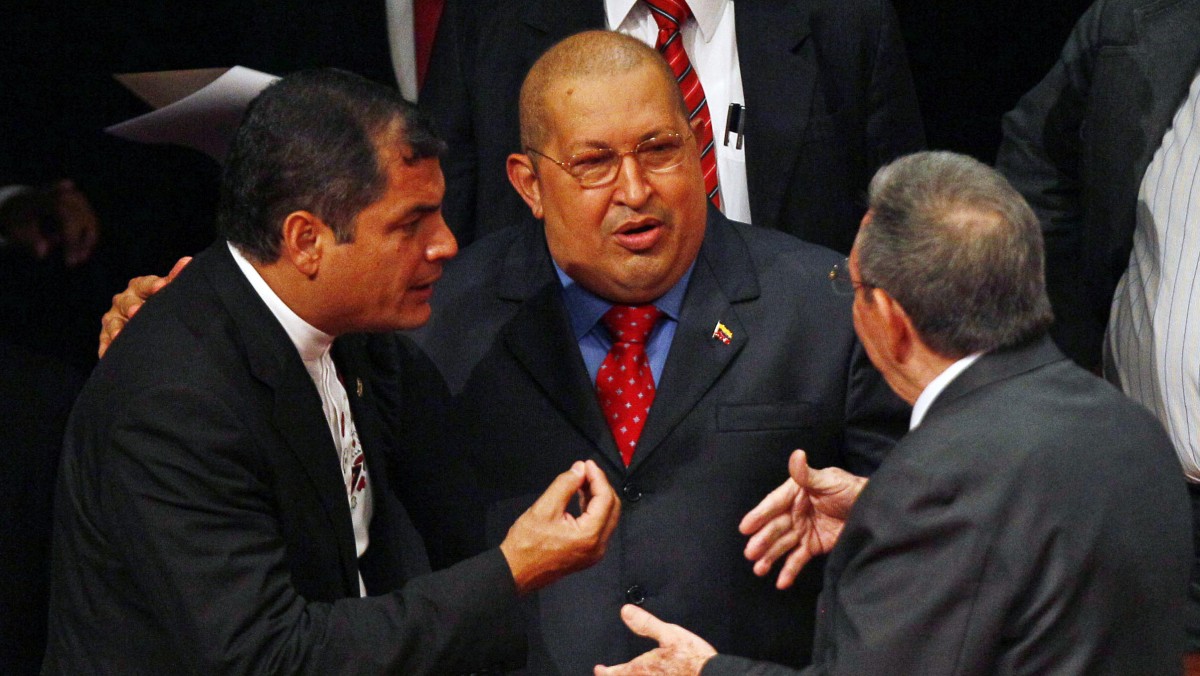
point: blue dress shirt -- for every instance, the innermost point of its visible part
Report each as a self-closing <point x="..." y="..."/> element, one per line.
<point x="586" y="308"/>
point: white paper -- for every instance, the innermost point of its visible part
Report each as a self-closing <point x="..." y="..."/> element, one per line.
<point x="199" y="109"/>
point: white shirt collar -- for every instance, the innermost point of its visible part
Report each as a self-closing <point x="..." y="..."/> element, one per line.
<point x="707" y="13"/>
<point x="935" y="387"/>
<point x="311" y="342"/>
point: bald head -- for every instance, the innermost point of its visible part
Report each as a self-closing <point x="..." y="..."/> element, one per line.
<point x="584" y="56"/>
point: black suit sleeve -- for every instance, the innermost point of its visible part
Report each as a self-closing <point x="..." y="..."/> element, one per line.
<point x="1040" y="155"/>
<point x="219" y="572"/>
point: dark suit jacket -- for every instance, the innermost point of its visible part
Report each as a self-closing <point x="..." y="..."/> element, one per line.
<point x="1078" y="144"/>
<point x="1034" y="523"/>
<point x="724" y="420"/>
<point x="828" y="94"/>
<point x="201" y="522"/>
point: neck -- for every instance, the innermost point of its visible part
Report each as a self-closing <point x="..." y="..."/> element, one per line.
<point x="296" y="291"/>
<point x="916" y="374"/>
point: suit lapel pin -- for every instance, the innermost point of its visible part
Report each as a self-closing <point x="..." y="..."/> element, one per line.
<point x="358" y="387"/>
<point x="722" y="333"/>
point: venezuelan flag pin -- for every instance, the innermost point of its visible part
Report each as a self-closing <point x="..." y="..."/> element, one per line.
<point x="722" y="333"/>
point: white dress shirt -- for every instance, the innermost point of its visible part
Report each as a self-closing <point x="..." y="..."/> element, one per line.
<point x="711" y="45"/>
<point x="402" y="43"/>
<point x="313" y="346"/>
<point x="1153" y="344"/>
<point x="935" y="387"/>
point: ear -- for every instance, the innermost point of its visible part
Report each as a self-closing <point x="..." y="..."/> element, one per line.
<point x="897" y="325"/>
<point x="523" y="177"/>
<point x="305" y="237"/>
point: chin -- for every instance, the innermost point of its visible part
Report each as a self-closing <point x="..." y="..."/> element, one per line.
<point x="413" y="318"/>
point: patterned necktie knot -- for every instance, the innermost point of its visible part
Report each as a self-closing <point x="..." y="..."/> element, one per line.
<point x="669" y="14"/>
<point x="631" y="323"/>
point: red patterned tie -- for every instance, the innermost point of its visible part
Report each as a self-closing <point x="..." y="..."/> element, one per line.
<point x="670" y="15"/>
<point x="624" y="383"/>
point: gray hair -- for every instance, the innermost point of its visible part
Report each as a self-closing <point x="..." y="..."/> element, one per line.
<point x="959" y="249"/>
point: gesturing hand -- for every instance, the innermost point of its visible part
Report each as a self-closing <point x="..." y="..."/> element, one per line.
<point x="802" y="518"/>
<point x="547" y="542"/>
<point x="679" y="651"/>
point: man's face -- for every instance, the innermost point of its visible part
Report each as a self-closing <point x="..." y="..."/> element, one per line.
<point x="383" y="279"/>
<point x="866" y="315"/>
<point x="629" y="241"/>
<point x="870" y="323"/>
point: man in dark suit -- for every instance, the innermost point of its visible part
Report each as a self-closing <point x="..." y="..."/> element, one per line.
<point x="1077" y="147"/>
<point x="753" y="357"/>
<point x="1104" y="150"/>
<point x="826" y="92"/>
<point x="1032" y="522"/>
<point x="203" y="516"/>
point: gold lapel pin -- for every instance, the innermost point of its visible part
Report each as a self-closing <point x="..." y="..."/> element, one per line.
<point x="358" y="386"/>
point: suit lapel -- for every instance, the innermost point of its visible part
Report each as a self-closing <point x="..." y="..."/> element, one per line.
<point x="542" y="341"/>
<point x="722" y="277"/>
<point x="297" y="412"/>
<point x="397" y="552"/>
<point x="549" y="21"/>
<point x="560" y="18"/>
<point x="778" y="79"/>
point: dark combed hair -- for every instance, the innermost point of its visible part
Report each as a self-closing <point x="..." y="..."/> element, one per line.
<point x="959" y="249"/>
<point x="311" y="142"/>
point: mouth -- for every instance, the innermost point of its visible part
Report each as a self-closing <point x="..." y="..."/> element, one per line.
<point x="425" y="287"/>
<point x="640" y="235"/>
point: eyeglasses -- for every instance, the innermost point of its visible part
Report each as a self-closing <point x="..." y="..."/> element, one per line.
<point x="839" y="277"/>
<point x="598" y="167"/>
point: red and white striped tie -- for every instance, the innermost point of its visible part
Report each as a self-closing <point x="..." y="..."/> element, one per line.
<point x="670" y="15"/>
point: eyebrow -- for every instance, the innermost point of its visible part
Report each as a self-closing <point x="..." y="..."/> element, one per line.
<point x="591" y="143"/>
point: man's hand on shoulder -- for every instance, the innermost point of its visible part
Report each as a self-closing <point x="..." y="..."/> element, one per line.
<point x="547" y="543"/>
<point x="128" y="302"/>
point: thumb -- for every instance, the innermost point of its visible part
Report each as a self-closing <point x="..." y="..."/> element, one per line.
<point x="642" y="623"/>
<point x="798" y="468"/>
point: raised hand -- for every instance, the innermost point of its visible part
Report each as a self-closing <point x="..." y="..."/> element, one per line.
<point x="803" y="518"/>
<point x="547" y="542"/>
<point x="679" y="651"/>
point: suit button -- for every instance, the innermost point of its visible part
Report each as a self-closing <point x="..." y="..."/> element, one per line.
<point x="631" y="492"/>
<point x="635" y="595"/>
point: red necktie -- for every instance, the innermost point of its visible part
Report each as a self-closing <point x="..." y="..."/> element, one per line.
<point x="670" y="15"/>
<point x="426" y="14"/>
<point x="624" y="383"/>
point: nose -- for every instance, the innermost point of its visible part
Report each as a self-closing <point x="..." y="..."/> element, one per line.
<point x="442" y="245"/>
<point x="632" y="189"/>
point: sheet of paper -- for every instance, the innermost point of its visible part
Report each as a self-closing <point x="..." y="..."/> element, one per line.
<point x="199" y="109"/>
